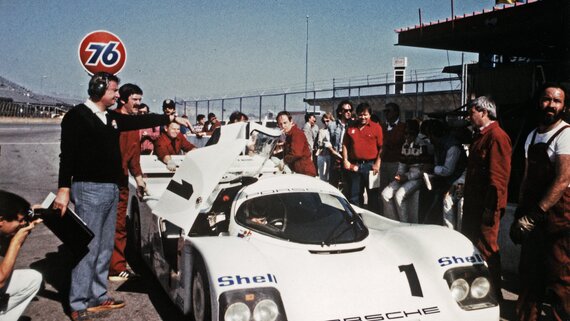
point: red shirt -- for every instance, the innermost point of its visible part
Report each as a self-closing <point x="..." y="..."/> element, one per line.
<point x="363" y="143"/>
<point x="165" y="145"/>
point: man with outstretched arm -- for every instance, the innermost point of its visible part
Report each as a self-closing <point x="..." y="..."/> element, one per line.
<point x="89" y="171"/>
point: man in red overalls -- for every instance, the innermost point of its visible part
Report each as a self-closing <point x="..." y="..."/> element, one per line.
<point x="130" y="96"/>
<point x="486" y="184"/>
<point x="296" y="152"/>
<point x="542" y="220"/>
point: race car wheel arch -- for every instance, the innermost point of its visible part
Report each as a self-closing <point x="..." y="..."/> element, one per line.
<point x="201" y="302"/>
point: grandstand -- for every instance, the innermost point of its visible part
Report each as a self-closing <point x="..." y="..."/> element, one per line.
<point x="18" y="101"/>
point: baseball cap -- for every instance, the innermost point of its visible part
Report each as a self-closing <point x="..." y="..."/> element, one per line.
<point x="168" y="103"/>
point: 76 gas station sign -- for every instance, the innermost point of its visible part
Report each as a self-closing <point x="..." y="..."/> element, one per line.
<point x="102" y="51"/>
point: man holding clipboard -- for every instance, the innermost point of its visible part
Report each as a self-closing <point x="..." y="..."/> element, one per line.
<point x="90" y="168"/>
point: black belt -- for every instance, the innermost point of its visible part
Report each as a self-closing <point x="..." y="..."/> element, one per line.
<point x="364" y="161"/>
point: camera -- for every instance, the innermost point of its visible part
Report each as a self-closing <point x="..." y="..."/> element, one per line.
<point x="34" y="214"/>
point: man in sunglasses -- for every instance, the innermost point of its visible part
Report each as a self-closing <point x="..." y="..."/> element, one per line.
<point x="337" y="130"/>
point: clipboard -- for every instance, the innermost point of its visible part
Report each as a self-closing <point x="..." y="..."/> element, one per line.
<point x="373" y="180"/>
<point x="70" y="229"/>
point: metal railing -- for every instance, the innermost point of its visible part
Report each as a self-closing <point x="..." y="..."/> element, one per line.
<point x="266" y="104"/>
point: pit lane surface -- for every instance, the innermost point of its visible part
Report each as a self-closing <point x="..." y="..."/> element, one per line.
<point x="29" y="160"/>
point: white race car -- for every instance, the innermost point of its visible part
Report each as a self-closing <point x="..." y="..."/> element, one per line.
<point x="230" y="236"/>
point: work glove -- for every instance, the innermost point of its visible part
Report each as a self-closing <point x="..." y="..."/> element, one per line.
<point x="171" y="165"/>
<point x="525" y="224"/>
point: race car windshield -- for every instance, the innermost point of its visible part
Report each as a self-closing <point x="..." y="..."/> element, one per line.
<point x="309" y="218"/>
<point x="261" y="144"/>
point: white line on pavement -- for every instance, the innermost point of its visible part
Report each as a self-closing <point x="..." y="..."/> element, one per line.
<point x="12" y="143"/>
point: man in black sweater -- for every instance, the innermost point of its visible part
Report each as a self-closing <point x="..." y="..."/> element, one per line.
<point x="89" y="170"/>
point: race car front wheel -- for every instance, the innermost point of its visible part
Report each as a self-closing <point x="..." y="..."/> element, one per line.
<point x="200" y="293"/>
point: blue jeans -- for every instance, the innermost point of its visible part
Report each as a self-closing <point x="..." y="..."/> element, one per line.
<point x="96" y="204"/>
<point x="324" y="167"/>
<point x="358" y="182"/>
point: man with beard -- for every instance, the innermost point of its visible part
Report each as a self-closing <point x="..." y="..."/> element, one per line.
<point x="486" y="184"/>
<point x="542" y="220"/>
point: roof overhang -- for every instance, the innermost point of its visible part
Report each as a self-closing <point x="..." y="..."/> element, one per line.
<point x="530" y="29"/>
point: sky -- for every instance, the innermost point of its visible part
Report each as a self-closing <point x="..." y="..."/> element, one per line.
<point x="187" y="49"/>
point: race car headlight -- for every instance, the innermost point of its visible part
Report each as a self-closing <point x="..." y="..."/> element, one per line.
<point x="265" y="310"/>
<point x="470" y="287"/>
<point x="459" y="289"/>
<point x="480" y="287"/>
<point x="255" y="304"/>
<point x="237" y="312"/>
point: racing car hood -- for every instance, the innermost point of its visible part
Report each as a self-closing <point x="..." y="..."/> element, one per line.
<point x="203" y="169"/>
<point x="374" y="282"/>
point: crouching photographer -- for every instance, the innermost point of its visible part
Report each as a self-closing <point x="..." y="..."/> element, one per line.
<point x="17" y="287"/>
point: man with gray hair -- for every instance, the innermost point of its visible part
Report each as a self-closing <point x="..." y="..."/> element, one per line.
<point x="486" y="182"/>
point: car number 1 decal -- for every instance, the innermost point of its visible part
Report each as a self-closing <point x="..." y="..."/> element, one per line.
<point x="413" y="279"/>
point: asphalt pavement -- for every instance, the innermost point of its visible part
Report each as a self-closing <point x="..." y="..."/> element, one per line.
<point x="29" y="160"/>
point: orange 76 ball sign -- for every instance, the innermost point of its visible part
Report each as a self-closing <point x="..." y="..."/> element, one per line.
<point x="102" y="51"/>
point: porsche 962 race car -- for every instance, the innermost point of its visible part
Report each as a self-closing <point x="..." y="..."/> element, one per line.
<point x="230" y="236"/>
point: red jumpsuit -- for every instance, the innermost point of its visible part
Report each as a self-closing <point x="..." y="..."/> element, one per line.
<point x="296" y="153"/>
<point x="129" y="143"/>
<point x="165" y="145"/>
<point x="545" y="257"/>
<point x="486" y="186"/>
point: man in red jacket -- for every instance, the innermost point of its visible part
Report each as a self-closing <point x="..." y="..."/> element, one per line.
<point x="296" y="152"/>
<point x="130" y="97"/>
<point x="171" y="142"/>
<point x="486" y="184"/>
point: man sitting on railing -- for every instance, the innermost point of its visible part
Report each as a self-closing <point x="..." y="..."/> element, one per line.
<point x="171" y="142"/>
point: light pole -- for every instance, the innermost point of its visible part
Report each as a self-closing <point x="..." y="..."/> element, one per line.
<point x="42" y="83"/>
<point x="306" y="62"/>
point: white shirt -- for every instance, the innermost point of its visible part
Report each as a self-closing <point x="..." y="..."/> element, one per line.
<point x="389" y="126"/>
<point x="559" y="146"/>
<point x="100" y="114"/>
<point x="451" y="158"/>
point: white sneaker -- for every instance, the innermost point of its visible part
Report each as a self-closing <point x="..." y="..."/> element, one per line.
<point x="123" y="276"/>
